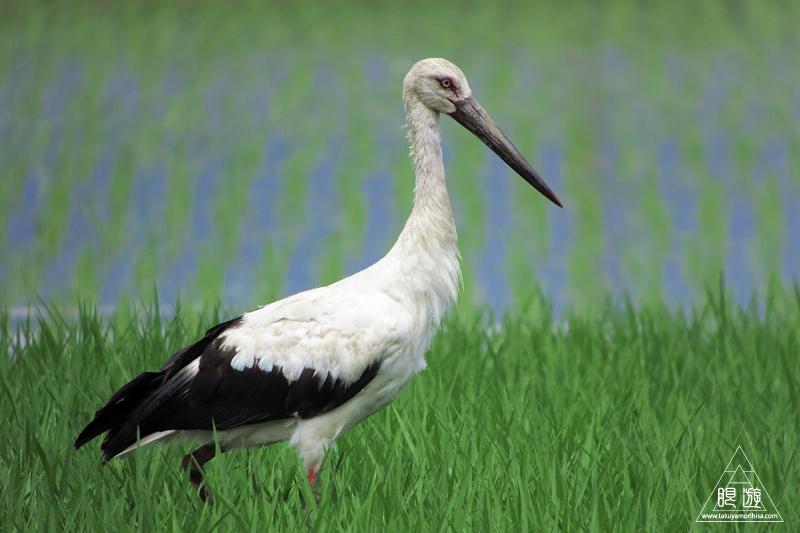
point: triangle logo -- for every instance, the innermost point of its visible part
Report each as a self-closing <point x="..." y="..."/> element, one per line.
<point x="739" y="495"/>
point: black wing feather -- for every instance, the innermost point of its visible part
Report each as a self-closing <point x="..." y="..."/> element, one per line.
<point x="217" y="396"/>
<point x="113" y="416"/>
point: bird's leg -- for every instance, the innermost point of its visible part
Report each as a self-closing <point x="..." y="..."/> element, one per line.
<point x="312" y="482"/>
<point x="194" y="462"/>
<point x="312" y="477"/>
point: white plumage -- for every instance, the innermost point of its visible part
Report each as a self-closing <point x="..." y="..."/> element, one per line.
<point x="310" y="367"/>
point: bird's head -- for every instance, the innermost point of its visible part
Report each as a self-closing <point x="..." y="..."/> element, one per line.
<point x="437" y="83"/>
<point x="441" y="86"/>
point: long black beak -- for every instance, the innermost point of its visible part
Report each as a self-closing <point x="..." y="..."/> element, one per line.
<point x="471" y="115"/>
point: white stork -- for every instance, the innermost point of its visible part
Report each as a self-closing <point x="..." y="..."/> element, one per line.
<point x="308" y="368"/>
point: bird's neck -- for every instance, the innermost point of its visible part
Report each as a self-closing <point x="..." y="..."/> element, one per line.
<point x="427" y="244"/>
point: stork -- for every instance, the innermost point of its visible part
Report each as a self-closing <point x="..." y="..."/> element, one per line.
<point x="308" y="368"/>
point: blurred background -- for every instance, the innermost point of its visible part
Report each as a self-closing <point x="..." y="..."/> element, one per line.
<point x="236" y="152"/>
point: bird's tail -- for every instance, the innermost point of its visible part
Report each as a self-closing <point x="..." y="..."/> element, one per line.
<point x="115" y="415"/>
<point x="129" y="406"/>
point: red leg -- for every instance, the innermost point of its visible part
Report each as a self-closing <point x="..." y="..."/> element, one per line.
<point x="312" y="475"/>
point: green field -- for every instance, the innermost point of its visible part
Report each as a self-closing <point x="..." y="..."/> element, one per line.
<point x="604" y="361"/>
<point x="620" y="420"/>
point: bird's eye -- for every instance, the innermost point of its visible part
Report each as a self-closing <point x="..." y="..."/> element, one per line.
<point x="446" y="83"/>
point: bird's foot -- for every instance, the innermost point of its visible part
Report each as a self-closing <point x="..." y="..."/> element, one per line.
<point x="205" y="494"/>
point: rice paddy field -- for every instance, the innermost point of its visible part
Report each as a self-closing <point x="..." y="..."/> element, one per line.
<point x="166" y="165"/>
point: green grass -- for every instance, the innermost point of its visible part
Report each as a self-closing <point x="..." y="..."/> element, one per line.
<point x="617" y="417"/>
<point x="611" y="419"/>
